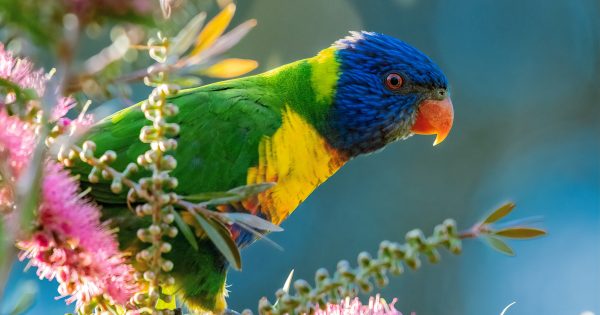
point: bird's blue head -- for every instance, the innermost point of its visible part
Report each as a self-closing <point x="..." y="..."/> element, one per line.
<point x="386" y="90"/>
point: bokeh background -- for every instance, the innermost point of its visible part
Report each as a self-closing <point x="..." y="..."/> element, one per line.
<point x="525" y="84"/>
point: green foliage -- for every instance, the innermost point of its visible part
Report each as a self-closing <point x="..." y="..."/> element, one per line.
<point x="221" y="237"/>
<point x="22" y="298"/>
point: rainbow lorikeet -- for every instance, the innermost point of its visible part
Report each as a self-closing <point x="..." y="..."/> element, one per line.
<point x="295" y="125"/>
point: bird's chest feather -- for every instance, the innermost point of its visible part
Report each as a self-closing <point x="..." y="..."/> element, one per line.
<point x="298" y="159"/>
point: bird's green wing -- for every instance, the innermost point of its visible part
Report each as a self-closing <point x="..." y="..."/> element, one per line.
<point x="221" y="126"/>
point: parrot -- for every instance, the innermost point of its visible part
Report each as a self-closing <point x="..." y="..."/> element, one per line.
<point x="294" y="125"/>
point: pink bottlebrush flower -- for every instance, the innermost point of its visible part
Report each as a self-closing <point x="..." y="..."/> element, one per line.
<point x="70" y="243"/>
<point x="73" y="247"/>
<point x="17" y="140"/>
<point x="376" y="306"/>
<point x="20" y="72"/>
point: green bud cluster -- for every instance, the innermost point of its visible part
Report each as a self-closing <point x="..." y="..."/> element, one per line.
<point x="348" y="281"/>
<point x="154" y="190"/>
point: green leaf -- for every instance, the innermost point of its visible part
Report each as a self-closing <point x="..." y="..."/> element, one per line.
<point x="520" y="232"/>
<point x="208" y="196"/>
<point x="240" y="193"/>
<point x="259" y="235"/>
<point x="186" y="81"/>
<point x="186" y="37"/>
<point x="499" y="245"/>
<point x="286" y="285"/>
<point x="500" y="213"/>
<point x="253" y="221"/>
<point x="221" y="237"/>
<point x="251" y="190"/>
<point x="288" y="282"/>
<point x="26" y="293"/>
<point x="185" y="229"/>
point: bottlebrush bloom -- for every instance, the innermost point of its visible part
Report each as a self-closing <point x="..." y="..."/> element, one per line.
<point x="69" y="243"/>
<point x="17" y="140"/>
<point x="73" y="246"/>
<point x="20" y="72"/>
<point x="376" y="306"/>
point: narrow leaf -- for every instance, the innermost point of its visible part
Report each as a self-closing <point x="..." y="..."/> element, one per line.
<point x="221" y="237"/>
<point x="499" y="245"/>
<point x="288" y="282"/>
<point x="229" y="68"/>
<point x="259" y="235"/>
<point x="214" y="29"/>
<point x="185" y="229"/>
<point x="185" y="38"/>
<point x="507" y="307"/>
<point x="186" y="81"/>
<point x="286" y="285"/>
<point x="208" y="196"/>
<point x="520" y="232"/>
<point x="252" y="189"/>
<point x="226" y="41"/>
<point x="25" y="293"/>
<point x="253" y="221"/>
<point x="240" y="193"/>
<point x="500" y="213"/>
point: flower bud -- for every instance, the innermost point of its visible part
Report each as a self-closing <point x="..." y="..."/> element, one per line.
<point x="89" y="146"/>
<point x="165" y="247"/>
<point x="108" y="156"/>
<point x="149" y="276"/>
<point x="168" y="218"/>
<point x="321" y="275"/>
<point x="116" y="186"/>
<point x="106" y="174"/>
<point x="364" y="259"/>
<point x="172" y="232"/>
<point x="167" y="266"/>
<point x="301" y="286"/>
<point x="139" y="298"/>
<point x="154" y="229"/>
<point x="142" y="234"/>
<point x="168" y="162"/>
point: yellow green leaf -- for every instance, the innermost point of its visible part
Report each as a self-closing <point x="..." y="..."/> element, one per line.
<point x="229" y="68"/>
<point x="520" y="232"/>
<point x="500" y="213"/>
<point x="214" y="29"/>
<point x="186" y="230"/>
<point x="221" y="238"/>
<point x="499" y="245"/>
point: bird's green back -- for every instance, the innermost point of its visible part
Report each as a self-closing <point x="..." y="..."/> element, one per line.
<point x="222" y="126"/>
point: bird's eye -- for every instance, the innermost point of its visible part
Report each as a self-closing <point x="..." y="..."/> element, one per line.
<point x="393" y="81"/>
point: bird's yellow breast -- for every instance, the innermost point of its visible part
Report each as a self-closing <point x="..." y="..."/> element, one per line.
<point x="298" y="159"/>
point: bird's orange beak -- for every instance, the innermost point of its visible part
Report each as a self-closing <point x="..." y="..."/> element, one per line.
<point x="434" y="118"/>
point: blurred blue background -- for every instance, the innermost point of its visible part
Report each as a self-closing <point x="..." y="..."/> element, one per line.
<point x="525" y="85"/>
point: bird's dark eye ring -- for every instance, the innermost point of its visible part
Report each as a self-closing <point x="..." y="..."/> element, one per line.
<point x="393" y="81"/>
